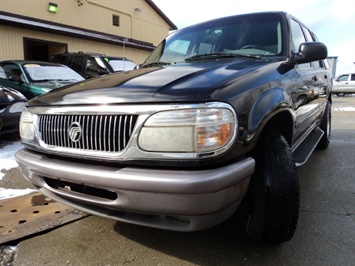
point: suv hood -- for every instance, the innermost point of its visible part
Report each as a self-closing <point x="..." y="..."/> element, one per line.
<point x="169" y="83"/>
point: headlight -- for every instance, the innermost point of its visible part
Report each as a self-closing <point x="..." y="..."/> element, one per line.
<point x="26" y="126"/>
<point x="188" y="130"/>
<point x="17" y="107"/>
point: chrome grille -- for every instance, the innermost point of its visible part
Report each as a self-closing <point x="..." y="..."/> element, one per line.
<point x="109" y="133"/>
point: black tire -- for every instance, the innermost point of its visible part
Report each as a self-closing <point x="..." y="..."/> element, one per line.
<point x="325" y="125"/>
<point x="269" y="212"/>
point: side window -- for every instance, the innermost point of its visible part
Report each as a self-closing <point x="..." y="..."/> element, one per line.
<point x="77" y="63"/>
<point x="343" y="78"/>
<point x="11" y="70"/>
<point x="297" y="35"/>
<point x="59" y="59"/>
<point x="352" y="76"/>
<point x="307" y="34"/>
<point x="94" y="67"/>
<point x="312" y="38"/>
<point x="298" y="38"/>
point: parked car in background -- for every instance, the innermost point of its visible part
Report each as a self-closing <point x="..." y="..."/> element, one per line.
<point x="33" y="78"/>
<point x="214" y="123"/>
<point x="344" y="84"/>
<point x="12" y="103"/>
<point x="93" y="64"/>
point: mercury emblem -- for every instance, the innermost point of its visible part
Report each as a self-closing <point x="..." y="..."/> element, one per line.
<point x="75" y="131"/>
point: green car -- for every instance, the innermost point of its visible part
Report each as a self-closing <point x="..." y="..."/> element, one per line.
<point x="34" y="78"/>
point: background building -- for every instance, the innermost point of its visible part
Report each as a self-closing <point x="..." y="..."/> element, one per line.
<point x="38" y="29"/>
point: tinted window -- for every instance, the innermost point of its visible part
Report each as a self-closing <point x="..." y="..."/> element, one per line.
<point x="9" y="70"/>
<point x="76" y="63"/>
<point x="94" y="67"/>
<point x="60" y="59"/>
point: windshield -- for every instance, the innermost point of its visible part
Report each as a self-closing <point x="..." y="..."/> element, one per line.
<point x="37" y="72"/>
<point x="252" y="35"/>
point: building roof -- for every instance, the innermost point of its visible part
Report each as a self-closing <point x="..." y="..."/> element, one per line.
<point x="48" y="26"/>
<point x="160" y="13"/>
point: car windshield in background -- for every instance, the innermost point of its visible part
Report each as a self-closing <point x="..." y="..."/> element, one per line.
<point x="253" y="36"/>
<point x="120" y="64"/>
<point x="39" y="72"/>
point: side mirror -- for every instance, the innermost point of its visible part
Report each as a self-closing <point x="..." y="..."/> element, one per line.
<point x="307" y="52"/>
<point x="311" y="51"/>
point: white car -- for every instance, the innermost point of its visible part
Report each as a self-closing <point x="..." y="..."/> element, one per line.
<point x="344" y="84"/>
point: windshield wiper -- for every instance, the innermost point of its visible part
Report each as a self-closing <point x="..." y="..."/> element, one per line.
<point x="158" y="63"/>
<point x="41" y="80"/>
<point x="52" y="80"/>
<point x="219" y="55"/>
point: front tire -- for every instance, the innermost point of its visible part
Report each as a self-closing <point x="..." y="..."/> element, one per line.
<point x="269" y="212"/>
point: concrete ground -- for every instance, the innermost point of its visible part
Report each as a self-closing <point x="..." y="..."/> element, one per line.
<point x="325" y="233"/>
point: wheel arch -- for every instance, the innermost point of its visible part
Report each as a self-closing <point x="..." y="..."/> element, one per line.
<point x="273" y="112"/>
<point x="281" y="122"/>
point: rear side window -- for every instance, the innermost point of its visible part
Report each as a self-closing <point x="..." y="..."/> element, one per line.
<point x="352" y="76"/>
<point x="76" y="63"/>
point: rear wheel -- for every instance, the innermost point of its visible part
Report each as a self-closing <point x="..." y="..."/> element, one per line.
<point x="269" y="212"/>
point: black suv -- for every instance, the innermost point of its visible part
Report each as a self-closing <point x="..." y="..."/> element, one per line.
<point x="91" y="65"/>
<point x="215" y="122"/>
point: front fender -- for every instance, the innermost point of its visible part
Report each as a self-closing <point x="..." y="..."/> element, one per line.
<point x="267" y="102"/>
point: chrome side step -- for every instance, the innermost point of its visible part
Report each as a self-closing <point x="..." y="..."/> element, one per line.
<point x="305" y="149"/>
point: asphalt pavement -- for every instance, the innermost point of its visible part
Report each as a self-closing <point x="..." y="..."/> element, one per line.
<point x="325" y="234"/>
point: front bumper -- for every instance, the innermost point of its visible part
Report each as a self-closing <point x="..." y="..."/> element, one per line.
<point x="169" y="199"/>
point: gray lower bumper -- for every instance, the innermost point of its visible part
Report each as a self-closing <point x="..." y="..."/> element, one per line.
<point x="170" y="199"/>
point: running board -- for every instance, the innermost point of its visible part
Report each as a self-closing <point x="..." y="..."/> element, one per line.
<point x="305" y="149"/>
